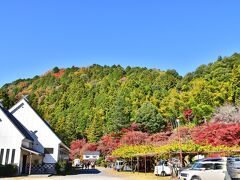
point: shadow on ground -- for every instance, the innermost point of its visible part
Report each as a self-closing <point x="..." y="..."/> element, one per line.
<point x="85" y="171"/>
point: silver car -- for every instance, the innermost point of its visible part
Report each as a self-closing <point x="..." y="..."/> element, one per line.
<point x="206" y="170"/>
<point x="233" y="166"/>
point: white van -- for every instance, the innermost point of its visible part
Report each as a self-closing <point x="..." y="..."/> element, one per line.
<point x="162" y="169"/>
<point x="118" y="165"/>
<point x="122" y="166"/>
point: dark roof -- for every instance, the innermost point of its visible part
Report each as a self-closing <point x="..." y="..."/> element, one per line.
<point x="17" y="124"/>
<point x="91" y="153"/>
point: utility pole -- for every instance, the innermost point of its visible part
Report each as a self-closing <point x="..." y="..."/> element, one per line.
<point x="179" y="142"/>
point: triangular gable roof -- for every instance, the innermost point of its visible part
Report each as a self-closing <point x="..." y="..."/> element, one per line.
<point x="14" y="109"/>
<point x="17" y="124"/>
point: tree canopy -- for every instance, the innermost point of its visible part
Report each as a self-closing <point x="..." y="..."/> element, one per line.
<point x="89" y="102"/>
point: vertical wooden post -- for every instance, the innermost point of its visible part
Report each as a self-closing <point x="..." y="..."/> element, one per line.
<point x="145" y="159"/>
<point x="132" y="163"/>
<point x="30" y="163"/>
<point x="138" y="164"/>
<point x="172" y="175"/>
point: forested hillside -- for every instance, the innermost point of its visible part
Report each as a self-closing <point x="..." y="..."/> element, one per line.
<point x="93" y="101"/>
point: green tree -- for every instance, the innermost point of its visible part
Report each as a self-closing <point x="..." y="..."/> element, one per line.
<point x="235" y="85"/>
<point x="119" y="114"/>
<point x="56" y="69"/>
<point x="6" y="102"/>
<point x="149" y="118"/>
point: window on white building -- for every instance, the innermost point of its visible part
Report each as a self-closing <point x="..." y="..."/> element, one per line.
<point x="13" y="156"/>
<point x="48" y="150"/>
<point x="1" y="155"/>
<point x="7" y="156"/>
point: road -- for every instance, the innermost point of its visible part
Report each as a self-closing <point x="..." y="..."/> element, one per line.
<point x="94" y="174"/>
<point x="90" y="174"/>
<point x="82" y="174"/>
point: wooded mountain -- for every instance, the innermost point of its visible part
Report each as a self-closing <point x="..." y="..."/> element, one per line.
<point x="92" y="101"/>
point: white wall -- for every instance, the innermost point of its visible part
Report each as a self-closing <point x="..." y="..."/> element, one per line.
<point x="10" y="138"/>
<point x="43" y="136"/>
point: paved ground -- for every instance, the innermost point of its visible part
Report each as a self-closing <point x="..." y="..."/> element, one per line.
<point x="94" y="174"/>
<point x="83" y="174"/>
<point x="91" y="174"/>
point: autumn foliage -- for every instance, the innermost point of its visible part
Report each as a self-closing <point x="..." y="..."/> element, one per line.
<point x="108" y="143"/>
<point x="159" y="138"/>
<point x="214" y="134"/>
<point x="76" y="147"/>
<point x="59" y="73"/>
<point x="217" y="134"/>
<point x="188" y="114"/>
<point x="134" y="138"/>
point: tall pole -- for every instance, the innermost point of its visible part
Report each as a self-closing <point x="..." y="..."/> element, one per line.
<point x="179" y="142"/>
<point x="30" y="163"/>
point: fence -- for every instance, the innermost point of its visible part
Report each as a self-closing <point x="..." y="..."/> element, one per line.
<point x="42" y="168"/>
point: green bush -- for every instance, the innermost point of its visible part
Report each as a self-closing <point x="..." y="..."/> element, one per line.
<point x="101" y="162"/>
<point x="63" y="167"/>
<point x="8" y="170"/>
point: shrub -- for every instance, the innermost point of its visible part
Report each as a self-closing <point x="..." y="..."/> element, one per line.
<point x="99" y="162"/>
<point x="63" y="167"/>
<point x="8" y="170"/>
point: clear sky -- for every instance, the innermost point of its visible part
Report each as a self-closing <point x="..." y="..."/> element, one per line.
<point x="36" y="36"/>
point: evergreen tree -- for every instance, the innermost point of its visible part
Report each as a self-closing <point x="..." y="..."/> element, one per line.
<point x="150" y="119"/>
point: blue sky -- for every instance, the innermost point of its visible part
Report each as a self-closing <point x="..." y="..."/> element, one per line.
<point x="35" y="36"/>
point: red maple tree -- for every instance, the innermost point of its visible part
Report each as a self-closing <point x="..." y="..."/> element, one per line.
<point x="75" y="148"/>
<point x="108" y="143"/>
<point x="159" y="138"/>
<point x="134" y="138"/>
<point x="217" y="134"/>
<point x="188" y="114"/>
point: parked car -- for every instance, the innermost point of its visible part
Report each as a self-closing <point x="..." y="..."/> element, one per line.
<point x="76" y="163"/>
<point x="122" y="166"/>
<point x="207" y="170"/>
<point x="233" y="166"/>
<point x="162" y="168"/>
<point x="189" y="166"/>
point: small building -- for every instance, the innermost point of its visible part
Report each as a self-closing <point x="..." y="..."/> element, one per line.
<point x="91" y="155"/>
<point x="28" y="141"/>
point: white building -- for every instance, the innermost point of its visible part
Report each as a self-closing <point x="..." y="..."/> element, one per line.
<point x="15" y="141"/>
<point x="27" y="140"/>
<point x="91" y="155"/>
